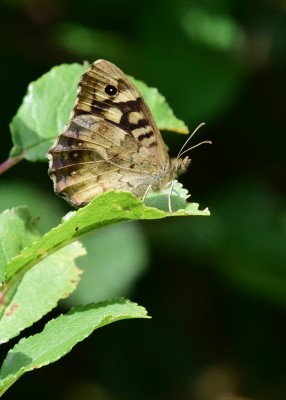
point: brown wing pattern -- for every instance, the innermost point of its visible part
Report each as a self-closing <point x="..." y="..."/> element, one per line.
<point x="111" y="141"/>
<point x="106" y="91"/>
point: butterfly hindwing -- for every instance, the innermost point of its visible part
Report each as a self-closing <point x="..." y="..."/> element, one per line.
<point x="92" y="156"/>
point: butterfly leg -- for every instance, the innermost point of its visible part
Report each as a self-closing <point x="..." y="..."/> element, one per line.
<point x="146" y="192"/>
<point x="170" y="195"/>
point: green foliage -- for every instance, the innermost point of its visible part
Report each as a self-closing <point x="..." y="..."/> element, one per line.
<point x="44" y="111"/>
<point x="107" y="208"/>
<point x="17" y="230"/>
<point x="61" y="334"/>
<point x="214" y="286"/>
<point x="85" y="41"/>
<point x="37" y="271"/>
<point x="39" y="291"/>
<point x="47" y="105"/>
<point x="215" y="31"/>
<point x="161" y="110"/>
<point x="15" y="192"/>
<point x="106" y="275"/>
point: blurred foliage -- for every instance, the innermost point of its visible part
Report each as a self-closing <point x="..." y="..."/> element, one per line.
<point x="215" y="287"/>
<point x="105" y="275"/>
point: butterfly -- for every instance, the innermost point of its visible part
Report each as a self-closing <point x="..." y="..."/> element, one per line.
<point x="110" y="142"/>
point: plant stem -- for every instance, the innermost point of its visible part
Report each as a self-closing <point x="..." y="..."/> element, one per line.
<point x="10" y="162"/>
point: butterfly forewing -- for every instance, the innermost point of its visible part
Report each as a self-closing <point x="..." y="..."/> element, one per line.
<point x="125" y="108"/>
<point x="111" y="141"/>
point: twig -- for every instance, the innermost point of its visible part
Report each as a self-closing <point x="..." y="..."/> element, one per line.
<point x="10" y="162"/>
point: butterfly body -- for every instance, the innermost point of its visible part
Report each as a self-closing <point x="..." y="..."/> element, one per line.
<point x="110" y="142"/>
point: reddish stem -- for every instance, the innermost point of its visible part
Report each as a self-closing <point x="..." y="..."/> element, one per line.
<point x="10" y="162"/>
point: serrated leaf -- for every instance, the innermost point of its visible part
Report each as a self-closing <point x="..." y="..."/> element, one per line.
<point x="47" y="106"/>
<point x="61" y="335"/>
<point x="106" y="209"/>
<point x="17" y="230"/>
<point x="40" y="290"/>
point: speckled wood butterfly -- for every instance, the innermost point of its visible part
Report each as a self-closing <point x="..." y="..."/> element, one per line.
<point x="110" y="142"/>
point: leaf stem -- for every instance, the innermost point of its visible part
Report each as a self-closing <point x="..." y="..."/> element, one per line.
<point x="10" y="162"/>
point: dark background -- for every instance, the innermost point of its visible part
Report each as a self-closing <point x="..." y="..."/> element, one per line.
<point x="215" y="286"/>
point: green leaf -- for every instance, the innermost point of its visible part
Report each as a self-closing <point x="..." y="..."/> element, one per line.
<point x="26" y="301"/>
<point x="17" y="230"/>
<point x="47" y="106"/>
<point x="163" y="114"/>
<point x="45" y="111"/>
<point x="61" y="335"/>
<point x="178" y="199"/>
<point x="40" y="290"/>
<point x="106" y="209"/>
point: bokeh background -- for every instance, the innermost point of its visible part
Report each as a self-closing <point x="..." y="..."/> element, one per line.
<point x="215" y="286"/>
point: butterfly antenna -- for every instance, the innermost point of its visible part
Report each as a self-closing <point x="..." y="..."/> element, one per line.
<point x="196" y="145"/>
<point x="181" y="152"/>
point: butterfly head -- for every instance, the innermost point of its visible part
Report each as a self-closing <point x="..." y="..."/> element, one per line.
<point x="180" y="165"/>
